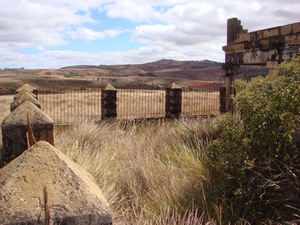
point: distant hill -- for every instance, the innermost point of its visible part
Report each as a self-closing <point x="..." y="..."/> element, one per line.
<point x="146" y="75"/>
<point x="202" y="70"/>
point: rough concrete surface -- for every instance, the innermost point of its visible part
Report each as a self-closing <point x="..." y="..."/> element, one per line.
<point x="73" y="196"/>
<point x="25" y="96"/>
<point x="17" y="95"/>
<point x="14" y="128"/>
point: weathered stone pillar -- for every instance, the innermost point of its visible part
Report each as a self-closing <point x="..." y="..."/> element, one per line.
<point x="109" y="103"/>
<point x="173" y="101"/>
<point x="222" y="99"/>
<point x="24" y="96"/>
<point x="234" y="29"/>
<point x="28" y="87"/>
<point x="15" y="126"/>
<point x="228" y="83"/>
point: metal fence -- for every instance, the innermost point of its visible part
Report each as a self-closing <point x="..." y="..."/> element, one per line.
<point x="69" y="106"/>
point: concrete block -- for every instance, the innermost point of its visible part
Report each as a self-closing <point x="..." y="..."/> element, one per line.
<point x="21" y="93"/>
<point x="271" y="32"/>
<point x="43" y="186"/>
<point x="24" y="96"/>
<point x="244" y="37"/>
<point x="256" y="35"/>
<point x="296" y="28"/>
<point x="15" y="126"/>
<point x="292" y="39"/>
<point x="287" y="29"/>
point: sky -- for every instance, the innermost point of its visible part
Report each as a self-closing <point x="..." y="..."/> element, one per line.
<point x="37" y="34"/>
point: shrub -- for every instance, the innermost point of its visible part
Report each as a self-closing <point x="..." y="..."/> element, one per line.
<point x="270" y="109"/>
<point x="255" y="160"/>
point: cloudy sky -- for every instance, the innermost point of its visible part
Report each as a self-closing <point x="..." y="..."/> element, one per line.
<point x="57" y="33"/>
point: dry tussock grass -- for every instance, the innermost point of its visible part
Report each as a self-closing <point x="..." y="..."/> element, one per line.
<point x="151" y="173"/>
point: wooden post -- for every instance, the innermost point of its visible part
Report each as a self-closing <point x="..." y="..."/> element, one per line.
<point x="109" y="102"/>
<point x="173" y="101"/>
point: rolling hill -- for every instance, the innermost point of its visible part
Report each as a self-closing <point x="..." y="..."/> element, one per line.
<point x="154" y="74"/>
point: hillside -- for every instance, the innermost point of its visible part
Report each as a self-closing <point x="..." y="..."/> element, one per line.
<point x="204" y="70"/>
<point x="153" y="74"/>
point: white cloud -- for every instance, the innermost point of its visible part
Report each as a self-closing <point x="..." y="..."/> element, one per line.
<point x="177" y="29"/>
<point x="36" y="24"/>
<point x="136" y="12"/>
<point x="167" y="34"/>
<point x="88" y="34"/>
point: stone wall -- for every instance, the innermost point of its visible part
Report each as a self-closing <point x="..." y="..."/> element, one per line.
<point x="268" y="47"/>
<point x="275" y="44"/>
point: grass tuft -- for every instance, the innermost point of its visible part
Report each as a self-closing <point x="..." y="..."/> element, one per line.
<point x="148" y="171"/>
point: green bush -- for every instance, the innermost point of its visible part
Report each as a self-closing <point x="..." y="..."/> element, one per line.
<point x="254" y="162"/>
<point x="270" y="109"/>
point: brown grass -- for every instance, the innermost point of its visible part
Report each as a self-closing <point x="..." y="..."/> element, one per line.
<point x="150" y="173"/>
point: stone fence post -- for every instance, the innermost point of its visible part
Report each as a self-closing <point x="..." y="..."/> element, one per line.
<point x="22" y="97"/>
<point x="223" y="99"/>
<point x="27" y="87"/>
<point x="109" y="102"/>
<point x="173" y="101"/>
<point x="18" y="94"/>
<point x="25" y="120"/>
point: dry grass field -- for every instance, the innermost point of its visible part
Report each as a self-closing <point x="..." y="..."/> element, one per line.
<point x="151" y="173"/>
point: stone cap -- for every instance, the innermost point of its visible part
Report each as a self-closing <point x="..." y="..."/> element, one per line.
<point x="19" y="115"/>
<point x="174" y="86"/>
<point x="42" y="172"/>
<point x="21" y="93"/>
<point x="109" y="87"/>
<point x="24" y="96"/>
<point x="26" y="87"/>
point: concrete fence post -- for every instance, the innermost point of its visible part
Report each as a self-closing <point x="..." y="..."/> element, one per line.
<point x="22" y="97"/>
<point x="173" y="101"/>
<point x="18" y="94"/>
<point x="27" y="87"/>
<point x="109" y="102"/>
<point x="15" y="128"/>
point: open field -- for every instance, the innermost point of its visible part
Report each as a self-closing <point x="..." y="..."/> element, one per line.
<point x="148" y="102"/>
<point x="140" y="76"/>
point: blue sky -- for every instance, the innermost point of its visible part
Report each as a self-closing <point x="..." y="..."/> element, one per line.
<point x="57" y="33"/>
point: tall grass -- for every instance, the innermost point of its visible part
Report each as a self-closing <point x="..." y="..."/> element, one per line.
<point x="151" y="172"/>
